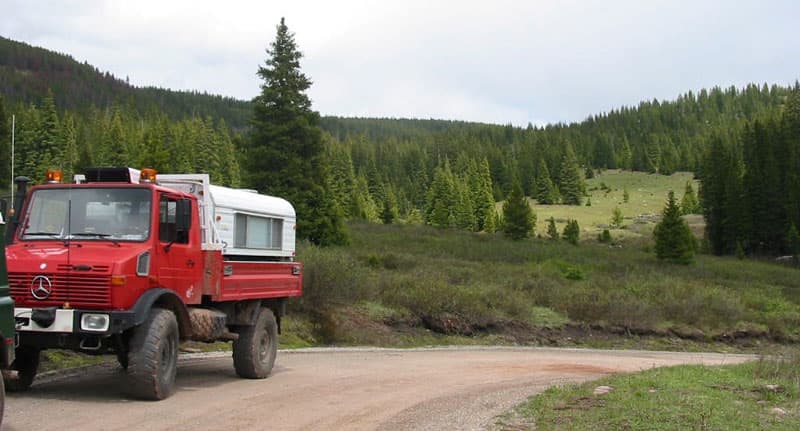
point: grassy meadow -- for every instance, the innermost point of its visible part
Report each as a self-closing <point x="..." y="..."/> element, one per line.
<point x="647" y="194"/>
<point x="408" y="285"/>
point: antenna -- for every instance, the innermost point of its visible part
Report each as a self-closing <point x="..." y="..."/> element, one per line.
<point x="13" y="127"/>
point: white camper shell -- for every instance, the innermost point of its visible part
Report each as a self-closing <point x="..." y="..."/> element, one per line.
<point x="241" y="223"/>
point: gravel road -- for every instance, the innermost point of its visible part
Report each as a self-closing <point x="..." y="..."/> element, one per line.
<point x="330" y="389"/>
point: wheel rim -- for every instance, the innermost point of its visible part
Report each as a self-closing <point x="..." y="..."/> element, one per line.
<point x="168" y="358"/>
<point x="263" y="348"/>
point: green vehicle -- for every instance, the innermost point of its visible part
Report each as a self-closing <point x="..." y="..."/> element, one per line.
<point x="7" y="328"/>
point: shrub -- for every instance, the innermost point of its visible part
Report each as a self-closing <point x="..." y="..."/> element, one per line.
<point x="572" y="232"/>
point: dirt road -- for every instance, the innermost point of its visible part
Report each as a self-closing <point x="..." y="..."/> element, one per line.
<point x="330" y="389"/>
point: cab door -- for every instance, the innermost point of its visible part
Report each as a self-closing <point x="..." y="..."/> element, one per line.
<point x="180" y="256"/>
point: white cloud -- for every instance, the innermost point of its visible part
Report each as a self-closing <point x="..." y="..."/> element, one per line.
<point x="502" y="61"/>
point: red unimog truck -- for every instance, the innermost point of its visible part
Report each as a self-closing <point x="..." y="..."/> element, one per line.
<point x="129" y="263"/>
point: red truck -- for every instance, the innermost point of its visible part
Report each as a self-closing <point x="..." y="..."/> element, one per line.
<point x="131" y="263"/>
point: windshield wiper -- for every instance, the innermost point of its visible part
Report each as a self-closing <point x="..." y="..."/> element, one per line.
<point x="95" y="235"/>
<point x="98" y="235"/>
<point x="51" y="234"/>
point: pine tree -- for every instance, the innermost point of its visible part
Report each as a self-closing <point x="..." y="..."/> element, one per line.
<point x="464" y="211"/>
<point x="5" y="146"/>
<point x="481" y="184"/>
<point x="674" y="240"/>
<point x="689" y="203"/>
<point x="793" y="241"/>
<point x="572" y="232"/>
<point x="546" y="193"/>
<point x="389" y="210"/>
<point x="285" y="154"/>
<point x="616" y="218"/>
<point x="570" y="183"/>
<point x="552" y="231"/>
<point x="229" y="164"/>
<point x="519" y="219"/>
<point x="442" y="198"/>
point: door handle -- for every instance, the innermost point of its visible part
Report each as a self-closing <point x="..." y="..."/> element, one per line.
<point x="190" y="263"/>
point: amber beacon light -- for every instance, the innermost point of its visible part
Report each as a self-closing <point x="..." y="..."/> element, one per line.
<point x="54" y="176"/>
<point x="147" y="175"/>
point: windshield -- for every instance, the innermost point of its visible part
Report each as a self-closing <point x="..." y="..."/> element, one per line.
<point x="91" y="214"/>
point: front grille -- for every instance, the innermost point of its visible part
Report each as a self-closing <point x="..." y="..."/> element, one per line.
<point x="80" y="289"/>
<point x="89" y="268"/>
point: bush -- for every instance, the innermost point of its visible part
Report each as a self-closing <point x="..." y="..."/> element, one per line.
<point x="572" y="232"/>
<point x="330" y="277"/>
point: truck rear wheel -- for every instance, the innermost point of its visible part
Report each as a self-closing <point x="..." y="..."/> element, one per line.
<point x="26" y="364"/>
<point x="153" y="356"/>
<point x="255" y="350"/>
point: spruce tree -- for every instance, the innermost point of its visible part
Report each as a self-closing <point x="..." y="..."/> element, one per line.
<point x="674" y="240"/>
<point x="689" y="203"/>
<point x="481" y="184"/>
<point x="616" y="218"/>
<point x="5" y="146"/>
<point x="442" y="198"/>
<point x="389" y="210"/>
<point x="285" y="156"/>
<point x="572" y="232"/>
<point x="552" y="231"/>
<point x="518" y="217"/>
<point x="546" y="193"/>
<point x="793" y="241"/>
<point x="570" y="183"/>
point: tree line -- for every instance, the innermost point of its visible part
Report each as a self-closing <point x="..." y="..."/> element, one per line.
<point x="47" y="138"/>
<point x="750" y="185"/>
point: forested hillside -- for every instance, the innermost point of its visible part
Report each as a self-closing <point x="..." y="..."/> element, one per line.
<point x="444" y="173"/>
<point x="27" y="73"/>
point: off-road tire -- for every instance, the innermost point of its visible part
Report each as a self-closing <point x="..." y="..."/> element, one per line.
<point x="153" y="356"/>
<point x="255" y="350"/>
<point x="26" y="363"/>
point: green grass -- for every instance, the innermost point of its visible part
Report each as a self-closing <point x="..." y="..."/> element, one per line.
<point x="688" y="397"/>
<point x="647" y="196"/>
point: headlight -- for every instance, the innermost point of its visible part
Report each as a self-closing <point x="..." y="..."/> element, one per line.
<point x="94" y="322"/>
<point x="143" y="264"/>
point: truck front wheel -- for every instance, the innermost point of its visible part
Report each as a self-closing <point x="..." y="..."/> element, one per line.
<point x="153" y="356"/>
<point x="26" y="363"/>
<point x="255" y="350"/>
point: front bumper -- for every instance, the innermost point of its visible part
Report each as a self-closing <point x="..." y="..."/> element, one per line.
<point x="53" y="320"/>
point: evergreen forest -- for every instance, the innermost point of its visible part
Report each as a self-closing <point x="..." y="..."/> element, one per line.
<point x="743" y="143"/>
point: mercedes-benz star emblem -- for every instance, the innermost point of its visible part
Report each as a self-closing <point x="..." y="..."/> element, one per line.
<point x="41" y="287"/>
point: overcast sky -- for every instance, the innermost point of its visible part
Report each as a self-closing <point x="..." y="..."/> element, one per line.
<point x="493" y="61"/>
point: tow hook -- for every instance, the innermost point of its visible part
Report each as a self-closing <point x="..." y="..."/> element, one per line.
<point x="85" y="346"/>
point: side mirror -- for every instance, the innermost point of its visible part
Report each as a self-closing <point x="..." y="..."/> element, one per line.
<point x="183" y="215"/>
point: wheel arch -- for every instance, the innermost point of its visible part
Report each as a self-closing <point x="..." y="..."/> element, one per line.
<point x="166" y="299"/>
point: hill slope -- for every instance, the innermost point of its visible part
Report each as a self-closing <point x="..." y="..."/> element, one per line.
<point x="27" y="72"/>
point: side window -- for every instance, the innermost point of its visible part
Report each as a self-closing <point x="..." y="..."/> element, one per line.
<point x="167" y="227"/>
<point x="258" y="232"/>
